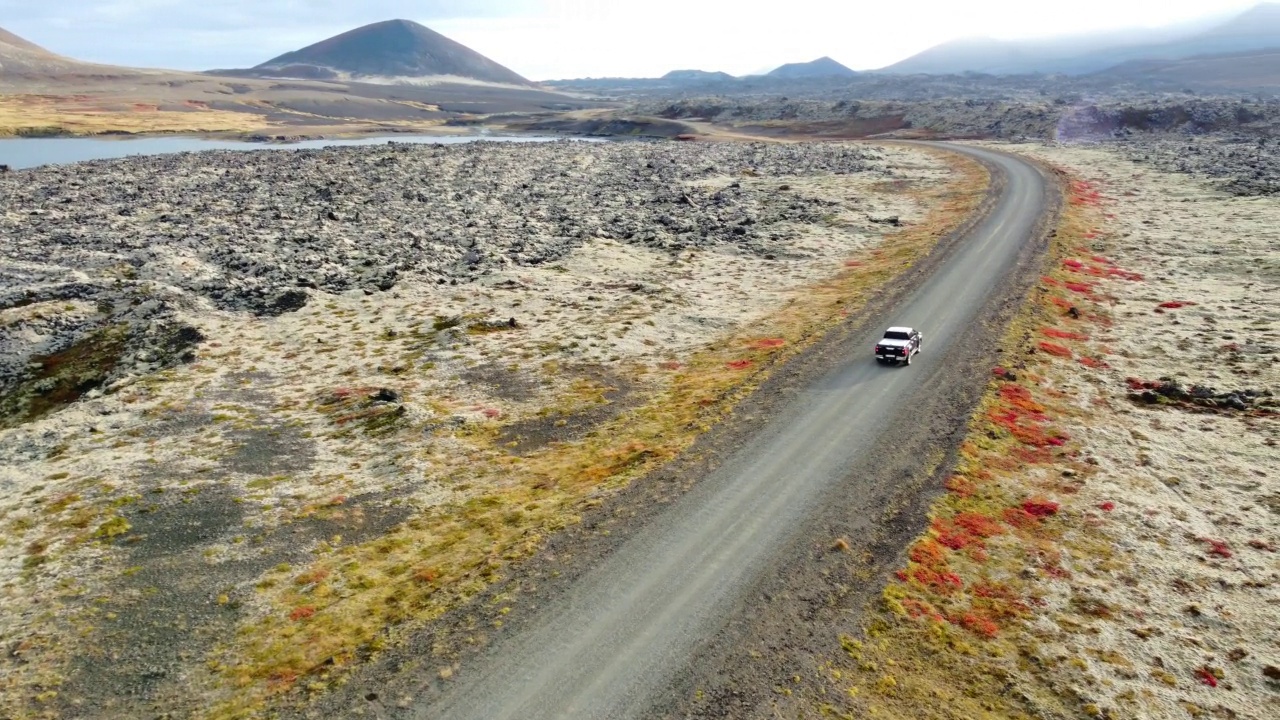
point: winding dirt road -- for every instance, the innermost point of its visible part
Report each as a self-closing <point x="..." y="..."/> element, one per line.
<point x="613" y="642"/>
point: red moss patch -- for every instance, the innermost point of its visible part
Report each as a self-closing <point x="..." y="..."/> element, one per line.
<point x="1175" y="304"/>
<point x="344" y="393"/>
<point x="929" y="553"/>
<point x="767" y="343"/>
<point x="1125" y="275"/>
<point x="952" y="538"/>
<point x="943" y="583"/>
<point x="1034" y="455"/>
<point x="979" y="524"/>
<point x="1220" y="548"/>
<point x="1063" y="334"/>
<point x="1206" y="676"/>
<point x="1083" y="194"/>
<point x="1094" y="363"/>
<point x="978" y="624"/>
<point x="1019" y="398"/>
<point x="1040" y="508"/>
<point x="738" y="364"/>
<point x="1024" y="419"/>
<point x="962" y="486"/>
<point x="1056" y="349"/>
<point x="921" y="609"/>
<point x="1019" y="518"/>
<point x="966" y="531"/>
<point x="302" y="613"/>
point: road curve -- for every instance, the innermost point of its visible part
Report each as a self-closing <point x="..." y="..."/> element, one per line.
<point x="619" y="634"/>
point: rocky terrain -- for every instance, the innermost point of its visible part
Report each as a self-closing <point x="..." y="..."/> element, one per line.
<point x="251" y="395"/>
<point x="1238" y="163"/>
<point x="1068" y="116"/>
<point x="871" y="86"/>
<point x="255" y="233"/>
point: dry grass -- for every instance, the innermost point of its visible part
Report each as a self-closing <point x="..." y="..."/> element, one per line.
<point x="321" y="617"/>
<point x="36" y="115"/>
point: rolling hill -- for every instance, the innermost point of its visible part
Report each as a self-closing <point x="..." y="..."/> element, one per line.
<point x="1249" y="70"/>
<point x="1255" y="29"/>
<point x="696" y="76"/>
<point x="45" y="93"/>
<point x="19" y="56"/>
<point x="822" y="67"/>
<point x="391" y="51"/>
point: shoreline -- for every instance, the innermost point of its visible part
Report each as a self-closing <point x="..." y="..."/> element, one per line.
<point x="53" y="152"/>
<point x="264" y="137"/>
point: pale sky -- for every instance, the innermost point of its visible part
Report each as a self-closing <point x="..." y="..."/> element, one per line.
<point x="550" y="39"/>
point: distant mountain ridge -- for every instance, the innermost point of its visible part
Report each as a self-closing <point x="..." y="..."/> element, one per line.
<point x="19" y="56"/>
<point x="822" y="67"/>
<point x="696" y="76"/>
<point x="389" y="50"/>
<point x="1244" y="71"/>
<point x="1255" y="29"/>
<point x="15" y="42"/>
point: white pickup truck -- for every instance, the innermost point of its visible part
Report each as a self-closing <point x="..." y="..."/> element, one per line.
<point x="898" y="345"/>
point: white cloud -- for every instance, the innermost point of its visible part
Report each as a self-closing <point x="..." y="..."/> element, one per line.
<point x="606" y="39"/>
<point x="544" y="39"/>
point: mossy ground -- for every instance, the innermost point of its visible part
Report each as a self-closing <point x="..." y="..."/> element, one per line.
<point x="239" y="431"/>
<point x="52" y="116"/>
<point x="355" y="599"/>
<point x="64" y="376"/>
<point x="961" y="631"/>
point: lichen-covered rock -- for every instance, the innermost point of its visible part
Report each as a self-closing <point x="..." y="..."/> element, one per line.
<point x="132" y="244"/>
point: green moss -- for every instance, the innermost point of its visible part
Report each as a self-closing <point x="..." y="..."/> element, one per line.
<point x="444" y="323"/>
<point x="266" y="482"/>
<point x="62" y="378"/>
<point x="112" y="528"/>
<point x="45" y="131"/>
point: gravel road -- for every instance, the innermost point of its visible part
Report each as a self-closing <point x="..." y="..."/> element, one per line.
<point x="614" y="641"/>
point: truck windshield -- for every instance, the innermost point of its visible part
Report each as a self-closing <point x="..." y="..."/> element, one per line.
<point x="895" y="335"/>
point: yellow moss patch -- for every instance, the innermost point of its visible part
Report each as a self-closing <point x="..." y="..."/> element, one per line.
<point x="36" y="115"/>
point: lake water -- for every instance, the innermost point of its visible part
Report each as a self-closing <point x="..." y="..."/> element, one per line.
<point x="20" y="153"/>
